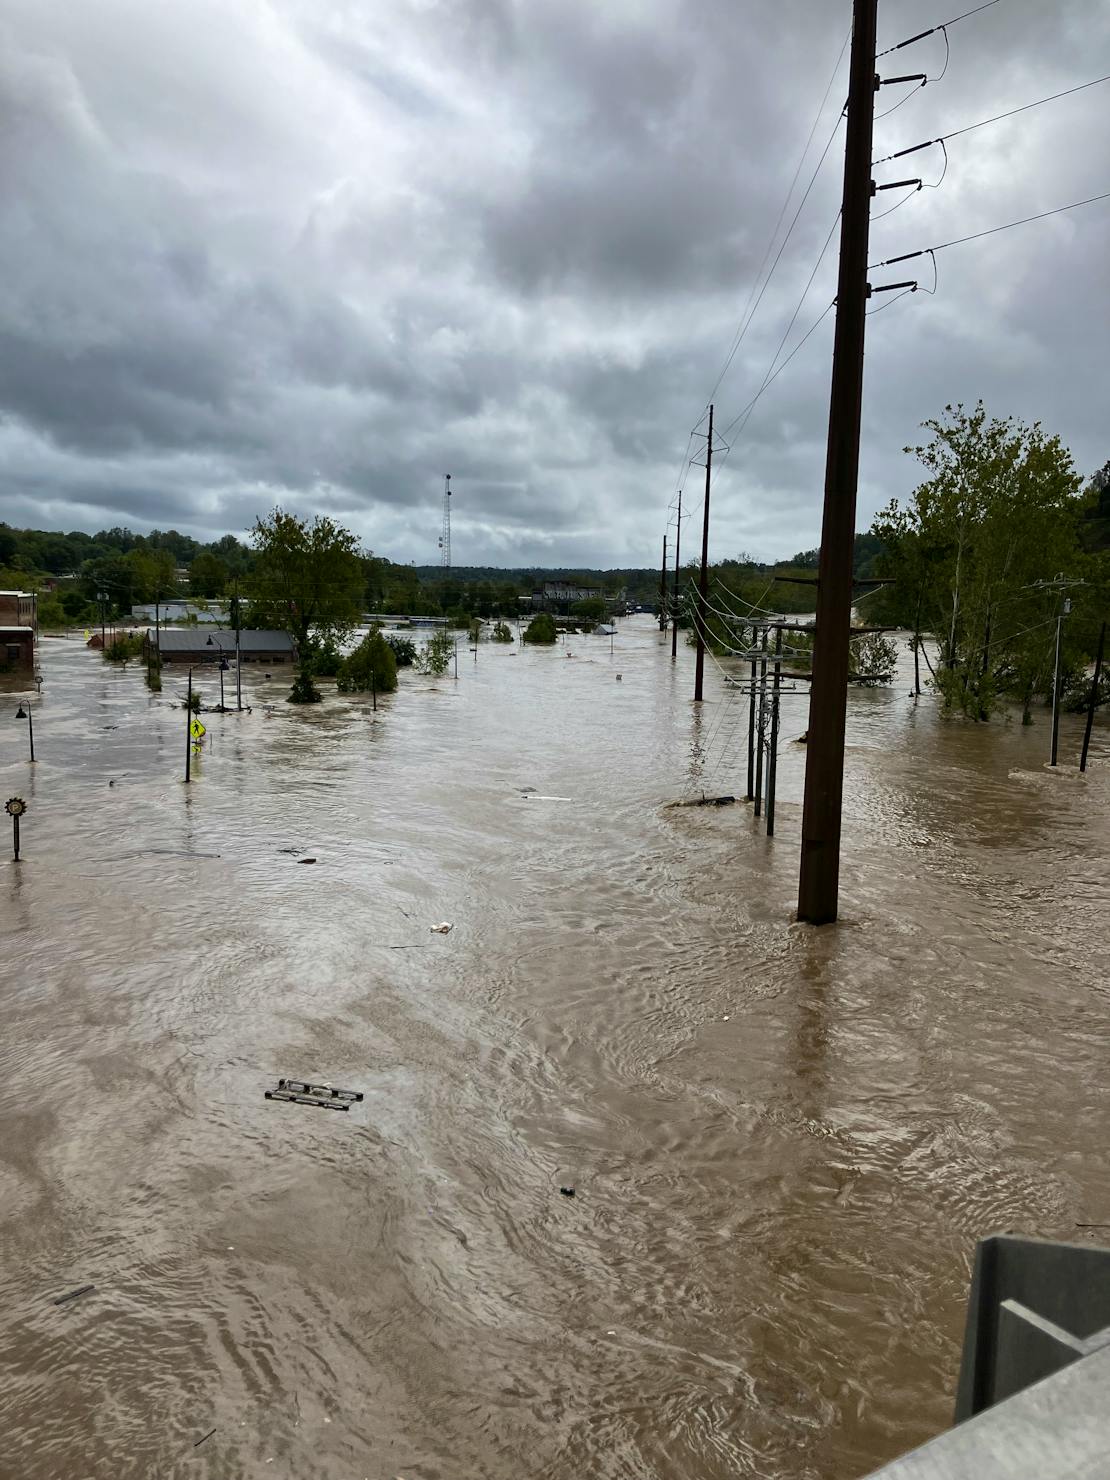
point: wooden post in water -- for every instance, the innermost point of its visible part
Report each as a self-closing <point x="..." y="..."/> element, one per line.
<point x="1056" y="676"/>
<point x="703" y="576"/>
<point x="761" y="726"/>
<point x="663" y="589"/>
<point x="773" y="750"/>
<point x="819" y="881"/>
<point x="1093" y="702"/>
<point x="677" y="548"/>
<point x="751" y="731"/>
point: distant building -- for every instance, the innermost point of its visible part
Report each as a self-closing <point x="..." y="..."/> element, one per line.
<point x="19" y="609"/>
<point x="182" y="611"/>
<point x="196" y="645"/>
<point x="555" y="594"/>
<point x="17" y="649"/>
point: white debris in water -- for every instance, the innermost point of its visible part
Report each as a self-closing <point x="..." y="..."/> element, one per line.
<point x="442" y="929"/>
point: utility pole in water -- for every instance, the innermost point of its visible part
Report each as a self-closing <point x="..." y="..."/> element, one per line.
<point x="1093" y="702"/>
<point x="663" y="589"/>
<point x="819" y="882"/>
<point x="1064" y="611"/>
<point x="677" y="548"/>
<point x="703" y="577"/>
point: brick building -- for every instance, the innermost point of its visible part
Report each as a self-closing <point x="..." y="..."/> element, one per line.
<point x="18" y="609"/>
<point x="17" y="649"/>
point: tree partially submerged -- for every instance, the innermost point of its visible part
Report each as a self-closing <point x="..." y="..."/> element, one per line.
<point x="971" y="553"/>
<point x="540" y="629"/>
<point x="371" y="666"/>
<point x="308" y="580"/>
<point x="437" y="652"/>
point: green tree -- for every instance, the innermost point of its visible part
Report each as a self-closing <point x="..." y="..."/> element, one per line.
<point x="540" y="629"/>
<point x="592" y="608"/>
<point x="403" y="649"/>
<point x="154" y="574"/>
<point x="372" y="665"/>
<point x="208" y="575"/>
<point x="996" y="518"/>
<point x="307" y="580"/>
<point x="436" y="654"/>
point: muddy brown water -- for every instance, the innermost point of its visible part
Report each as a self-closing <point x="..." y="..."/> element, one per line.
<point x="783" y="1142"/>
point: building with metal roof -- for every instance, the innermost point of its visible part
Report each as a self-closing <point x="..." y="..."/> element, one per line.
<point x="199" y="645"/>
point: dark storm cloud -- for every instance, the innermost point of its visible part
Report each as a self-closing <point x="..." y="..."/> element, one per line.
<point x="321" y="255"/>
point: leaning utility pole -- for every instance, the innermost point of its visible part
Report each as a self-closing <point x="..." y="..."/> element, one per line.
<point x="677" y="548"/>
<point x="703" y="578"/>
<point x="663" y="589"/>
<point x="819" y="883"/>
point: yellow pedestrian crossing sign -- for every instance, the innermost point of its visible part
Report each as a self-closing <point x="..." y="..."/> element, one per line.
<point x="197" y="730"/>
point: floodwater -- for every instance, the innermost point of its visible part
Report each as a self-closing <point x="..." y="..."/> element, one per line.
<point x="783" y="1142"/>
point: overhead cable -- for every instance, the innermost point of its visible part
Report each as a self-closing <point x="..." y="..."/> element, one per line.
<point x="992" y="231"/>
<point x="921" y="35"/>
<point x="996" y="118"/>
<point x="750" y="308"/>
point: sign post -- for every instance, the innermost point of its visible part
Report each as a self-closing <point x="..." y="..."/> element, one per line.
<point x="15" y="808"/>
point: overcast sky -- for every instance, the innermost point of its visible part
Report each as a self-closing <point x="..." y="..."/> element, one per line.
<point x="321" y="252"/>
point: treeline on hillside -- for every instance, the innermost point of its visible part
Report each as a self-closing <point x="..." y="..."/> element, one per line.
<point x="164" y="565"/>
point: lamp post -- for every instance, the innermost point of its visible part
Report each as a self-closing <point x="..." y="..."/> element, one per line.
<point x="189" y="730"/>
<point x="22" y="713"/>
<point x="224" y="667"/>
<point x="189" y="716"/>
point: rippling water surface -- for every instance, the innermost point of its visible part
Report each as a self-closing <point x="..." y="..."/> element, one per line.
<point x="783" y="1142"/>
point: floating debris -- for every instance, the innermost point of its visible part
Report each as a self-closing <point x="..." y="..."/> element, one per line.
<point x="74" y="1294"/>
<point x="294" y="1099"/>
<point x="201" y="1441"/>
<point x="442" y="929"/>
<point x="325" y="1091"/>
<point x="726" y="801"/>
<point x="567" y="1191"/>
<point x="306" y="860"/>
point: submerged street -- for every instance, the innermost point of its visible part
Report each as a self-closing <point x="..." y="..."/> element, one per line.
<point x="783" y="1143"/>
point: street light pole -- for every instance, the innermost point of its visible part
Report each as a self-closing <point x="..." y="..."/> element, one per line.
<point x="238" y="659"/>
<point x="189" y="729"/>
<point x="28" y="715"/>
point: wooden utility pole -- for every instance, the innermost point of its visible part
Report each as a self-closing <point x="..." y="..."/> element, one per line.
<point x="773" y="747"/>
<point x="761" y="725"/>
<point x="663" y="589"/>
<point x="677" y="548"/>
<point x="703" y="578"/>
<point x="1056" y="677"/>
<point x="1093" y="704"/>
<point x="819" y="882"/>
<point x="751" y="728"/>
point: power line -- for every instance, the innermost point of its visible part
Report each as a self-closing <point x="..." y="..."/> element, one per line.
<point x="997" y="117"/>
<point x="992" y="231"/>
<point x="772" y="378"/>
<point x="746" y="318"/>
<point x="921" y="35"/>
<point x="751" y="309"/>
